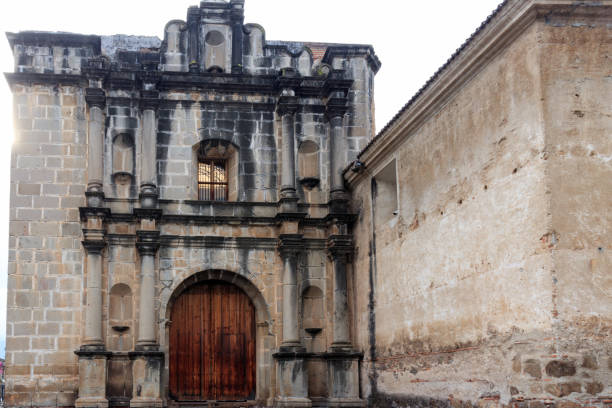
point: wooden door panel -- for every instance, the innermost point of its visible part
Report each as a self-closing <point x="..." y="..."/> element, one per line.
<point x="212" y="344"/>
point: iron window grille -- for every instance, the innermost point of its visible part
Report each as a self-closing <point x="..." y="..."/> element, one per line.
<point x="212" y="180"/>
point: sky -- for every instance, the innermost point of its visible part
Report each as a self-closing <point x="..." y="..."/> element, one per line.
<point x="411" y="38"/>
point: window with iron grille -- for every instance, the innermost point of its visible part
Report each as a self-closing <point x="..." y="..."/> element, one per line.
<point x="212" y="180"/>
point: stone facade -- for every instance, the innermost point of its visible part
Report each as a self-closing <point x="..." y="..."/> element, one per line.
<point x="459" y="258"/>
<point x="107" y="228"/>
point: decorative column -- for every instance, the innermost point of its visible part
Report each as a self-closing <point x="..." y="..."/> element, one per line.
<point x="147" y="359"/>
<point x="343" y="361"/>
<point x="292" y="376"/>
<point x="92" y="353"/>
<point x="96" y="100"/>
<point x="237" y="19"/>
<point x="148" y="166"/>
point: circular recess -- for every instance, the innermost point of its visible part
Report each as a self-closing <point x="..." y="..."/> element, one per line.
<point x="214" y="38"/>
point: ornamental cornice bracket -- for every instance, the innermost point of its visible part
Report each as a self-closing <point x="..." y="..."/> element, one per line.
<point x="149" y="99"/>
<point x="148" y="242"/>
<point x="290" y="245"/>
<point x="288" y="78"/>
<point x="95" y="97"/>
<point x="340" y="246"/>
<point x="148" y="213"/>
<point x="96" y="68"/>
<point x="287" y="105"/>
<point x="97" y="212"/>
<point x="336" y="107"/>
<point x="94" y="246"/>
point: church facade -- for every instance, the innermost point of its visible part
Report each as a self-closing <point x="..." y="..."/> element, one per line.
<point x="209" y="219"/>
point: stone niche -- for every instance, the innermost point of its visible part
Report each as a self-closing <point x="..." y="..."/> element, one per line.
<point x="123" y="160"/>
<point x="217" y="48"/>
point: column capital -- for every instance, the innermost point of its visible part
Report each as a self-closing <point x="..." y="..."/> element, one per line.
<point x="290" y="245"/>
<point x="148" y="242"/>
<point x="95" y="97"/>
<point x="287" y="105"/>
<point x="340" y="246"/>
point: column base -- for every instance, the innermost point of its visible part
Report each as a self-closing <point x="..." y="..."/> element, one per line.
<point x="290" y="402"/>
<point x="292" y="380"/>
<point x="146" y="377"/>
<point x="345" y="403"/>
<point x="91" y="403"/>
<point x="92" y="376"/>
<point x="343" y="378"/>
<point x="146" y="403"/>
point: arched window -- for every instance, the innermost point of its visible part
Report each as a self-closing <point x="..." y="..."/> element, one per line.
<point x="217" y="171"/>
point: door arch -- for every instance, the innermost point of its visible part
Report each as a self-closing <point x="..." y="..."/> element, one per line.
<point x="212" y="344"/>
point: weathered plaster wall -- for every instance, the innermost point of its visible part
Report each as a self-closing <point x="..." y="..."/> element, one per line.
<point x="45" y="254"/>
<point x="488" y="282"/>
<point x="577" y="94"/>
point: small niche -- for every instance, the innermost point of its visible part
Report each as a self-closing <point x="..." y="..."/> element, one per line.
<point x="308" y="159"/>
<point x="120" y="317"/>
<point x="312" y="318"/>
<point x="123" y="154"/>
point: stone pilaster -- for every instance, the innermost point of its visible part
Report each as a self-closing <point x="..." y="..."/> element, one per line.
<point x="148" y="166"/>
<point x="237" y="19"/>
<point x="147" y="361"/>
<point x="291" y="371"/>
<point x="92" y="353"/>
<point x="96" y="101"/>
<point x="340" y="248"/>
<point x="336" y="109"/>
<point x="343" y="361"/>
<point x="290" y="247"/>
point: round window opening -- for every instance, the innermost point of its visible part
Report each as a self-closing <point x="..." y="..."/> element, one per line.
<point x="214" y="38"/>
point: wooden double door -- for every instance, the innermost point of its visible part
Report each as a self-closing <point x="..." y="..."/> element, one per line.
<point x="212" y="344"/>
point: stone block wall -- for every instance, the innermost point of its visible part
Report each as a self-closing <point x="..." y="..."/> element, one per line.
<point x="45" y="255"/>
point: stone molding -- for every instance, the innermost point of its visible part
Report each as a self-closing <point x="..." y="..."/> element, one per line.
<point x="93" y="352"/>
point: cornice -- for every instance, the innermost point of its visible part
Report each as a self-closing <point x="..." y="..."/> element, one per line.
<point x="494" y="36"/>
<point x="347" y="51"/>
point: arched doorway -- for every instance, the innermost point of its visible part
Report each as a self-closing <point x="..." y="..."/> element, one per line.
<point x="212" y="344"/>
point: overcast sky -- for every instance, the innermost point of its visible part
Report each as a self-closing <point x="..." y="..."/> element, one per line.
<point x="411" y="38"/>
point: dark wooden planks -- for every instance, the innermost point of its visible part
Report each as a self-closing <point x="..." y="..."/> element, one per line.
<point x="212" y="344"/>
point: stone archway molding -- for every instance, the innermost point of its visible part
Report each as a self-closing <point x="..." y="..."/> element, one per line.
<point x="262" y="313"/>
